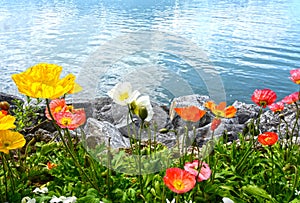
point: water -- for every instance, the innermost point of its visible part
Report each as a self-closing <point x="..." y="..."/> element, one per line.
<point x="226" y="49"/>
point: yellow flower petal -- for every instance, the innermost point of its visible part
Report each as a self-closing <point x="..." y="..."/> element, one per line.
<point x="7" y="122"/>
<point x="10" y="140"/>
<point x="43" y="81"/>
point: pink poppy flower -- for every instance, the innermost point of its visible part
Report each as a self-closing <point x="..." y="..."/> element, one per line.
<point x="295" y="76"/>
<point x="70" y="120"/>
<point x="264" y="97"/>
<point x="276" y="107"/>
<point x="179" y="180"/>
<point x="292" y="98"/>
<point x="192" y="168"/>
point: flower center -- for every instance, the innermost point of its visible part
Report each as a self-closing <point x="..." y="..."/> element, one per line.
<point x="57" y="109"/>
<point x="178" y="184"/>
<point x="263" y="103"/>
<point x="66" y="121"/>
<point x="124" y="96"/>
<point x="219" y="113"/>
<point x="6" y="144"/>
<point x="267" y="139"/>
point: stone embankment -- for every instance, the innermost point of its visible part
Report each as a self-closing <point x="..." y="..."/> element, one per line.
<point x="108" y="121"/>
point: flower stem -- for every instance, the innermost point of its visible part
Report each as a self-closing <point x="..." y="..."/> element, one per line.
<point x="140" y="158"/>
<point x="5" y="177"/>
<point x="272" y="177"/>
<point x="68" y="149"/>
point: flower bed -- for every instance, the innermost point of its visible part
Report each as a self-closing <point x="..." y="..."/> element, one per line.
<point x="256" y="167"/>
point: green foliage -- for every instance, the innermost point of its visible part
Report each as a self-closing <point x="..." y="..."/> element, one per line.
<point x="27" y="114"/>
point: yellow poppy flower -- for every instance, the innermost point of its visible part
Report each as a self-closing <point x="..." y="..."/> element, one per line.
<point x="43" y="81"/>
<point x="6" y="121"/>
<point x="10" y="140"/>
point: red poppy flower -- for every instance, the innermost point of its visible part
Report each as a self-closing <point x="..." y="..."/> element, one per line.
<point x="179" y="180"/>
<point x="276" y="107"/>
<point x="292" y="98"/>
<point x="70" y="120"/>
<point x="264" y="97"/>
<point x="221" y="111"/>
<point x="215" y="123"/>
<point x="190" y="113"/>
<point x="192" y="168"/>
<point x="268" y="138"/>
<point x="295" y="76"/>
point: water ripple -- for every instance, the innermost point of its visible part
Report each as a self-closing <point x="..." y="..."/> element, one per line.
<point x="251" y="44"/>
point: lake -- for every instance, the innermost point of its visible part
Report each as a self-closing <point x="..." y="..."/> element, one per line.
<point x="165" y="48"/>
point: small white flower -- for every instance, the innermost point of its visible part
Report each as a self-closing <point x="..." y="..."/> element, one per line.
<point x="227" y="200"/>
<point x="70" y="200"/>
<point x="145" y="101"/>
<point x="28" y="200"/>
<point x="55" y="199"/>
<point x="297" y="193"/>
<point x="63" y="199"/>
<point x="122" y="93"/>
<point x="42" y="190"/>
<point x="173" y="201"/>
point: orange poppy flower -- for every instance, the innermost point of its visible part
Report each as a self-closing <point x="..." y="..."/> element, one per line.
<point x="295" y="76"/>
<point x="51" y="165"/>
<point x="221" y="111"/>
<point x="190" y="113"/>
<point x="179" y="180"/>
<point x="264" y="97"/>
<point x="268" y="138"/>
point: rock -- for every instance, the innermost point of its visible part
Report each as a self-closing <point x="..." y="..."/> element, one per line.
<point x="9" y="98"/>
<point x="245" y="111"/>
<point x="107" y="120"/>
<point x="98" y="132"/>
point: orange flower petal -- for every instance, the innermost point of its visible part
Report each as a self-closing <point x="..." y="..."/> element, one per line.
<point x="268" y="138"/>
<point x="179" y="180"/>
<point x="190" y="113"/>
<point x="230" y="112"/>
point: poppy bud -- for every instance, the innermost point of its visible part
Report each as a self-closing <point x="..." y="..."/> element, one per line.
<point x="4" y="105"/>
<point x="143" y="113"/>
<point x="164" y="130"/>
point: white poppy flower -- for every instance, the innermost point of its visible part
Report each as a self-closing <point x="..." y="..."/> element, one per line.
<point x="122" y="93"/>
<point x="143" y="101"/>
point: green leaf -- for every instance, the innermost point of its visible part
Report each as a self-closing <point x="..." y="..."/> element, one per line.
<point x="258" y="192"/>
<point x="46" y="148"/>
